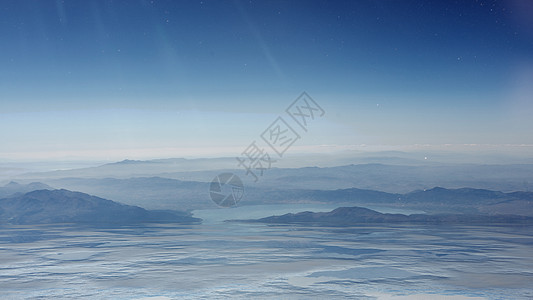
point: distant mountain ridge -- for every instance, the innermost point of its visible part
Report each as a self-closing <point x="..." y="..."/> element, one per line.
<point x="166" y="193"/>
<point x="392" y="178"/>
<point x="13" y="188"/>
<point x="147" y="192"/>
<point x="344" y="216"/>
<point x="137" y="168"/>
<point x="435" y="200"/>
<point x="63" y="206"/>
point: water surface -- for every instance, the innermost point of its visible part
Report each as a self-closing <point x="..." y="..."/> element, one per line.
<point x="236" y="260"/>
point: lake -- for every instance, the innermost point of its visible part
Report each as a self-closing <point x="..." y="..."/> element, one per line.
<point x="254" y="261"/>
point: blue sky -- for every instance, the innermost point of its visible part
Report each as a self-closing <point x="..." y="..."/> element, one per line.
<point x="126" y="79"/>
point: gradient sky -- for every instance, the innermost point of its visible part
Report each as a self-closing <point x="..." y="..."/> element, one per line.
<point x="148" y="79"/>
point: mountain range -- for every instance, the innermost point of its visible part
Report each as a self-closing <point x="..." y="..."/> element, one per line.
<point x="14" y="188"/>
<point x="170" y="194"/>
<point x="63" y="206"/>
<point x="344" y="216"/>
<point x="389" y="176"/>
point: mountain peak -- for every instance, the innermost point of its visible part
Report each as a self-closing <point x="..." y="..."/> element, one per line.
<point x="12" y="184"/>
<point x="129" y="161"/>
<point x="15" y="188"/>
